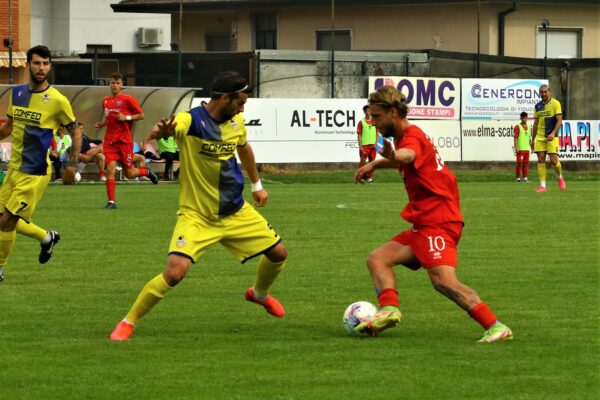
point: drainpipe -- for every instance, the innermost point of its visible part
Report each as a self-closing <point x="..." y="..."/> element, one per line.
<point x="565" y="83"/>
<point x="501" y="21"/>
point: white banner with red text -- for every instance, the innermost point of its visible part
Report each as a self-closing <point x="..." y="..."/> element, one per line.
<point x="494" y="140"/>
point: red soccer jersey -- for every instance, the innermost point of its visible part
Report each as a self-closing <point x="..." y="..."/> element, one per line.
<point x="431" y="186"/>
<point x="119" y="131"/>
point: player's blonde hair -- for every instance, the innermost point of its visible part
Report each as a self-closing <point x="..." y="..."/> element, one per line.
<point x="388" y="97"/>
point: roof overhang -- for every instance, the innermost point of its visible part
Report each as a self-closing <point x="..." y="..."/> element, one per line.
<point x="172" y="6"/>
<point x="19" y="59"/>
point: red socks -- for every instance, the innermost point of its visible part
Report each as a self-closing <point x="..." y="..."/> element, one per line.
<point x="483" y="315"/>
<point x="143" y="171"/>
<point x="110" y="189"/>
<point x="388" y="297"/>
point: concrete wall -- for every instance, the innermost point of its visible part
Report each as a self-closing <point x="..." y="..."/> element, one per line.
<point x="307" y="74"/>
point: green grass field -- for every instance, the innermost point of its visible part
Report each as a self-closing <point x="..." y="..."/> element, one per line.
<point x="533" y="258"/>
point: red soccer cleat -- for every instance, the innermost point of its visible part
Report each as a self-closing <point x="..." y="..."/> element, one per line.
<point x="122" y="331"/>
<point x="271" y="304"/>
<point x="541" y="189"/>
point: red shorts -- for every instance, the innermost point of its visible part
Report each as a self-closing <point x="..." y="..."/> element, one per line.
<point x="433" y="245"/>
<point x="367" y="152"/>
<point x="119" y="151"/>
<point x="523" y="156"/>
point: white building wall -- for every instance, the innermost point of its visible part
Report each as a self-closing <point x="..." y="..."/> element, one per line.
<point x="68" y="26"/>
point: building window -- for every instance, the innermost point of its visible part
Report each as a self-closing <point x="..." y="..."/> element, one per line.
<point x="562" y="42"/>
<point x="265" y="31"/>
<point x="100" y="48"/>
<point x="342" y="40"/>
<point x="218" y="42"/>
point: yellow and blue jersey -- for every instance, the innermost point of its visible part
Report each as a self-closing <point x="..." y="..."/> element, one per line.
<point x="546" y="115"/>
<point x="211" y="180"/>
<point x="36" y="117"/>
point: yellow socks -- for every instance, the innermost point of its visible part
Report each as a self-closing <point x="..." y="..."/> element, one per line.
<point x="558" y="169"/>
<point x="150" y="295"/>
<point x="7" y="243"/>
<point x="541" y="167"/>
<point x="31" y="230"/>
<point x="266" y="274"/>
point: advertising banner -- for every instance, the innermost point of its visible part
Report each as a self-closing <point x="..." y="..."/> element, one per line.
<point x="323" y="130"/>
<point x="488" y="140"/>
<point x="499" y="99"/>
<point x="579" y="140"/>
<point x="428" y="98"/>
<point x="493" y="140"/>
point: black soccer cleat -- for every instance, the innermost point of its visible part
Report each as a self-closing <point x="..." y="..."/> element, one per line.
<point x="47" y="248"/>
<point x="152" y="176"/>
<point x="111" y="205"/>
<point x="1" y="274"/>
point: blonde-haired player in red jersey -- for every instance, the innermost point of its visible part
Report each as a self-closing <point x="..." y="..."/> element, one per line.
<point x="434" y="210"/>
<point x="120" y="110"/>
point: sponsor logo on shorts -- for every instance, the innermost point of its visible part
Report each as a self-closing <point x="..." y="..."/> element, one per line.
<point x="181" y="242"/>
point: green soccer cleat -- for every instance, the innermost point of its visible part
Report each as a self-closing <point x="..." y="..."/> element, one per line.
<point x="384" y="319"/>
<point x="497" y="333"/>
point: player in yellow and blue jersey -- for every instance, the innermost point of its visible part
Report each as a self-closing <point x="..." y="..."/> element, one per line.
<point x="211" y="206"/>
<point x="548" y="120"/>
<point x="35" y="111"/>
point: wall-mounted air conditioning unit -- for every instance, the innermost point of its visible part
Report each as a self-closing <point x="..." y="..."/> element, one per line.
<point x="149" y="37"/>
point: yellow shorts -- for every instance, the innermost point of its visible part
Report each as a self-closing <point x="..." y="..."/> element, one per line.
<point x="245" y="234"/>
<point x="551" y="147"/>
<point x="20" y="193"/>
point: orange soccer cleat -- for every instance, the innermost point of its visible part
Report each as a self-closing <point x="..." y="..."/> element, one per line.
<point x="271" y="304"/>
<point x="122" y="331"/>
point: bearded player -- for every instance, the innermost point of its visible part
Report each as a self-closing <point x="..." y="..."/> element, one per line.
<point x="434" y="210"/>
<point x="36" y="111"/>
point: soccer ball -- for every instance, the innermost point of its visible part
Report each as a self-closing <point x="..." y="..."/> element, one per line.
<point x="77" y="176"/>
<point x="356" y="313"/>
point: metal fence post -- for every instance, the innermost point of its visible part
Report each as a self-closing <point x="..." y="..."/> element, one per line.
<point x="257" y="91"/>
<point x="95" y="67"/>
